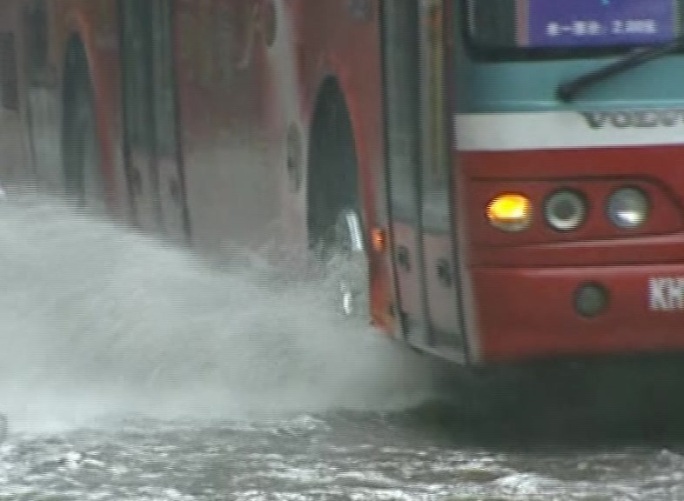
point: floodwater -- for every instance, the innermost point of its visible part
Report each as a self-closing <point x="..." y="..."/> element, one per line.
<point x="130" y="370"/>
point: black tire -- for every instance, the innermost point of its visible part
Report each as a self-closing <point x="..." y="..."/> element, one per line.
<point x="83" y="180"/>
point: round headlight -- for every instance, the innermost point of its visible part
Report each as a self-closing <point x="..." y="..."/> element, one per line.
<point x="565" y="210"/>
<point x="628" y="208"/>
<point x="510" y="212"/>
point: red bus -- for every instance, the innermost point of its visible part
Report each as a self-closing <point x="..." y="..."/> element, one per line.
<point x="509" y="168"/>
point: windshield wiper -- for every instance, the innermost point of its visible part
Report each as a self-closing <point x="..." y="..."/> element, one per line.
<point x="568" y="91"/>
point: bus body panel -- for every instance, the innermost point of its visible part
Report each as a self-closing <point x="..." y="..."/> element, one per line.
<point x="425" y="210"/>
<point x="531" y="314"/>
<point x="342" y="39"/>
<point x="246" y="95"/>
<point x="526" y="284"/>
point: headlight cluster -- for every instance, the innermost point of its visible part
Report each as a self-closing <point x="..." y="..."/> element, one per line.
<point x="628" y="208"/>
<point x="567" y="209"/>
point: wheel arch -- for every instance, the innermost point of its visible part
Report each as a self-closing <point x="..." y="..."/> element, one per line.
<point x="332" y="150"/>
<point x="361" y="103"/>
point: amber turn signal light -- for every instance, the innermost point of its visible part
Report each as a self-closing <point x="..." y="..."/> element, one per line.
<point x="379" y="240"/>
<point x="510" y="212"/>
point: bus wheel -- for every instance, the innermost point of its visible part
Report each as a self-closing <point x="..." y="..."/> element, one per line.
<point x="335" y="226"/>
<point x="83" y="178"/>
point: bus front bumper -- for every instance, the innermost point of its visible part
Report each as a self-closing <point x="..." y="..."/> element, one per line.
<point x="533" y="313"/>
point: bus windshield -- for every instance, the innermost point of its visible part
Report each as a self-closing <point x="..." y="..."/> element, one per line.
<point x="577" y="28"/>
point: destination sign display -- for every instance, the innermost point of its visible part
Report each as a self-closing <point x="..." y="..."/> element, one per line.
<point x="591" y="23"/>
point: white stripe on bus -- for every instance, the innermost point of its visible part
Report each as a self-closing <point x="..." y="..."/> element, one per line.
<point x="564" y="129"/>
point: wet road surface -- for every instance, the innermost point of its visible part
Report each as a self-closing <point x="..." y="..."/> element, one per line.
<point x="338" y="456"/>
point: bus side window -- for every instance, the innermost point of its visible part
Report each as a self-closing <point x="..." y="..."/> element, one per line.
<point x="9" y="89"/>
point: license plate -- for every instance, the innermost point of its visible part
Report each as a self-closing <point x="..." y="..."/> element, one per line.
<point x="666" y="293"/>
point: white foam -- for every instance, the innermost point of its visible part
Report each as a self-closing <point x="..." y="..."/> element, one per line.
<point x="98" y="320"/>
